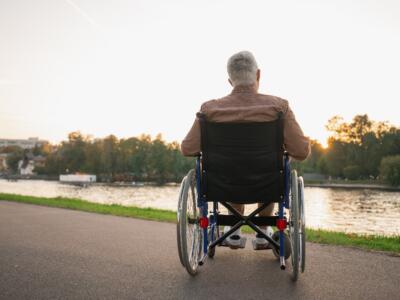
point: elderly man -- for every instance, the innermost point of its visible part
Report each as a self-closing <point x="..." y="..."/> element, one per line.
<point x="245" y="104"/>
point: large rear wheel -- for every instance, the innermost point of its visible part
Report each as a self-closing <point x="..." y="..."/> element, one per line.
<point x="178" y="225"/>
<point x="302" y="227"/>
<point x="189" y="231"/>
<point x="294" y="224"/>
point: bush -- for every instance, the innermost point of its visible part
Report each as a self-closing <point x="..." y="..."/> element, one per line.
<point x="390" y="169"/>
<point x="13" y="159"/>
<point x="322" y="165"/>
<point x="352" y="172"/>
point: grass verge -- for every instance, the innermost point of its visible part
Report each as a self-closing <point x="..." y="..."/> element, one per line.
<point x="113" y="209"/>
<point x="371" y="242"/>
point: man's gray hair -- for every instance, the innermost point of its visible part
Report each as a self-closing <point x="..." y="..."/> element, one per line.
<point x="242" y="68"/>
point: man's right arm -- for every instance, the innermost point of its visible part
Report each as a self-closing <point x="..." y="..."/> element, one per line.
<point x="296" y="144"/>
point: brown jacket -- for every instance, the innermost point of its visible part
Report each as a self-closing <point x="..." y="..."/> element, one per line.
<point x="244" y="104"/>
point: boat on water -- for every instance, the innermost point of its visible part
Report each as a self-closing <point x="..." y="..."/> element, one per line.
<point x="79" y="179"/>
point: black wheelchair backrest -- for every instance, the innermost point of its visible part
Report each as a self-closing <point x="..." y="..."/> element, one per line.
<point x="242" y="162"/>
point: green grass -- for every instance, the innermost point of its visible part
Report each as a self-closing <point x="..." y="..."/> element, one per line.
<point x="113" y="209"/>
<point x="371" y="242"/>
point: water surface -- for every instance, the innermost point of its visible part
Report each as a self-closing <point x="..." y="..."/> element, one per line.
<point x="359" y="210"/>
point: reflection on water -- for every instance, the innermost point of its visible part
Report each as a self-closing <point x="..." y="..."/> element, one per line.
<point x="359" y="211"/>
<point x="365" y="211"/>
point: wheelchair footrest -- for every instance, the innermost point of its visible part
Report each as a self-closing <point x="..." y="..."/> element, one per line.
<point x="256" y="246"/>
<point x="243" y="241"/>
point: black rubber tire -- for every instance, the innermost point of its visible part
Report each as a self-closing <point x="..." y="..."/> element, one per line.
<point x="178" y="235"/>
<point x="189" y="211"/>
<point x="294" y="224"/>
<point x="302" y="228"/>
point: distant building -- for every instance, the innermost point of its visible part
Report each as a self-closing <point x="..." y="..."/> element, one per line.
<point x="28" y="164"/>
<point x="26" y="167"/>
<point x="24" y="144"/>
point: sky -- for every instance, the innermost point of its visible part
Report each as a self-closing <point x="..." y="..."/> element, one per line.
<point x="131" y="67"/>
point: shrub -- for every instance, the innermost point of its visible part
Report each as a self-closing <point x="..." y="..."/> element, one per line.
<point x="352" y="172"/>
<point x="390" y="169"/>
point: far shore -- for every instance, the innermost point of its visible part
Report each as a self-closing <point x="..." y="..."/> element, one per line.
<point x="340" y="184"/>
<point x="16" y="178"/>
<point x="351" y="185"/>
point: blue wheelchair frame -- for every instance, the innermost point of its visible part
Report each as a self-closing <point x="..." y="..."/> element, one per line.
<point x="211" y="222"/>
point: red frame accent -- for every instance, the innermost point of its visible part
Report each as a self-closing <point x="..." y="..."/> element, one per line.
<point x="203" y="222"/>
<point x="281" y="224"/>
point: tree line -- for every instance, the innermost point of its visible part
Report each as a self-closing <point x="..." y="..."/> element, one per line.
<point x="111" y="159"/>
<point x="360" y="149"/>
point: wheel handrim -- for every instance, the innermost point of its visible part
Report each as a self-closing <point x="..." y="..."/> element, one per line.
<point x="294" y="225"/>
<point x="178" y="225"/>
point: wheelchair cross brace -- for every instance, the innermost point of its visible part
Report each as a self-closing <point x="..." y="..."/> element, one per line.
<point x="236" y="220"/>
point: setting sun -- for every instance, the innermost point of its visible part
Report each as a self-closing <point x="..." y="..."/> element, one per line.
<point x="107" y="69"/>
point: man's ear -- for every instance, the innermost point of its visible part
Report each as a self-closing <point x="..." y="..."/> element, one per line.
<point x="258" y="74"/>
<point x="230" y="82"/>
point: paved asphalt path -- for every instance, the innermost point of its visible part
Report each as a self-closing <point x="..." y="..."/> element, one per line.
<point x="50" y="253"/>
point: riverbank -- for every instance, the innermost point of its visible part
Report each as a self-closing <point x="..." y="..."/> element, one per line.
<point x="340" y="184"/>
<point x="351" y="184"/>
<point x="16" y="178"/>
<point x="371" y="242"/>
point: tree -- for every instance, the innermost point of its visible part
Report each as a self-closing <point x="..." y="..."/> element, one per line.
<point x="158" y="160"/>
<point x="14" y="157"/>
<point x="109" y="154"/>
<point x="73" y="152"/>
<point x="352" y="172"/>
<point x="390" y="169"/>
<point x="349" y="133"/>
<point x="355" y="149"/>
<point x="359" y="128"/>
<point x="336" y="158"/>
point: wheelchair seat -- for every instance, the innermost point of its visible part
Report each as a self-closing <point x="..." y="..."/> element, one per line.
<point x="242" y="162"/>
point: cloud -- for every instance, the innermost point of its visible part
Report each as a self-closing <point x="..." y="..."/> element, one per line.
<point x="83" y="14"/>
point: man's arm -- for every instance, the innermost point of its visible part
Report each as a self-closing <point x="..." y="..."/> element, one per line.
<point x="296" y="144"/>
<point x="191" y="143"/>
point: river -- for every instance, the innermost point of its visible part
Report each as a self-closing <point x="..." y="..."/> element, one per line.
<point x="359" y="211"/>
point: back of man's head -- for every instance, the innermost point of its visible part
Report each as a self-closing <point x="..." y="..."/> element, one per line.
<point x="242" y="69"/>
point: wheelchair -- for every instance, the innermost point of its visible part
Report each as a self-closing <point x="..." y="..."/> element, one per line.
<point x="241" y="163"/>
